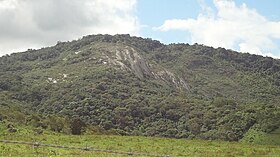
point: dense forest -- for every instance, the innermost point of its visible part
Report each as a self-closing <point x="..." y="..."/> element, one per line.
<point x="134" y="86"/>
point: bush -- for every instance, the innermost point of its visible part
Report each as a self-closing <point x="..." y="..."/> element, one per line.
<point x="77" y="126"/>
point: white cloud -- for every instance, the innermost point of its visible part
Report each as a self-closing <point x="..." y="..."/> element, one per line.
<point x="234" y="27"/>
<point x="36" y="23"/>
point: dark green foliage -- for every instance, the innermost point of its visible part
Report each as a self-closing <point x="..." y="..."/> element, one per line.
<point x="56" y="124"/>
<point x="76" y="126"/>
<point x="225" y="94"/>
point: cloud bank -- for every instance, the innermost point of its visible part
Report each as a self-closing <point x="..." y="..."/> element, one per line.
<point x="235" y="27"/>
<point x="36" y="23"/>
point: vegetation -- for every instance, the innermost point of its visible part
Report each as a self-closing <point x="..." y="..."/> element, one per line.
<point x="134" y="144"/>
<point x="132" y="86"/>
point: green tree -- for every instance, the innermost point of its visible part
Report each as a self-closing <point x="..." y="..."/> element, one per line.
<point x="77" y="126"/>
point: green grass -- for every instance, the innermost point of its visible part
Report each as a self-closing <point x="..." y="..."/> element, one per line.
<point x="151" y="145"/>
<point x="259" y="137"/>
<point x="274" y="137"/>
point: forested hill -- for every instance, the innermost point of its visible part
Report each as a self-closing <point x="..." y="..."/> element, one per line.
<point x="135" y="86"/>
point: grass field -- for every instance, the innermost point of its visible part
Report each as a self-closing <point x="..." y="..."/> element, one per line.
<point x="150" y="145"/>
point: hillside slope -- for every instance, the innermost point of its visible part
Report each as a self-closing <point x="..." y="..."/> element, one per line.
<point x="138" y="86"/>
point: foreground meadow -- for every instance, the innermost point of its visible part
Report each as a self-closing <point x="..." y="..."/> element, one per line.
<point x="134" y="144"/>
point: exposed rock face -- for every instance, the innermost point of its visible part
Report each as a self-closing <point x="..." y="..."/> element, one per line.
<point x="131" y="60"/>
<point x="136" y="62"/>
<point x="168" y="76"/>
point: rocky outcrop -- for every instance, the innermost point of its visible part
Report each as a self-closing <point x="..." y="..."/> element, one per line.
<point x="136" y="63"/>
<point x="170" y="77"/>
<point x="129" y="59"/>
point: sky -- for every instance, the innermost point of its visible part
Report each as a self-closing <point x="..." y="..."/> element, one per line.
<point x="251" y="26"/>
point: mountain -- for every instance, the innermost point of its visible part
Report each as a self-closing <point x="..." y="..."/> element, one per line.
<point x="135" y="86"/>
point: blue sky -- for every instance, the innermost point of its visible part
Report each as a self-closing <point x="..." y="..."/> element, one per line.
<point x="153" y="13"/>
<point x="243" y="25"/>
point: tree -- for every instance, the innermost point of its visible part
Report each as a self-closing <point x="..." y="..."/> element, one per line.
<point x="76" y="126"/>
